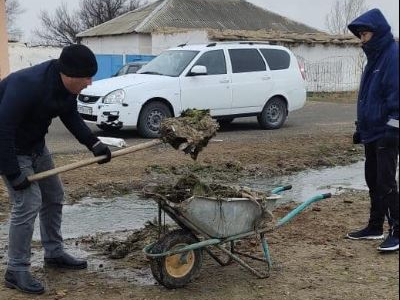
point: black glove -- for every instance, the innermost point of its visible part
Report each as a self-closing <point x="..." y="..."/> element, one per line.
<point x="356" y="138"/>
<point x="100" y="149"/>
<point x="391" y="138"/>
<point x="18" y="181"/>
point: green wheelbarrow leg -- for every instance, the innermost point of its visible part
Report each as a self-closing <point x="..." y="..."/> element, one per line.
<point x="242" y="263"/>
<point x="266" y="250"/>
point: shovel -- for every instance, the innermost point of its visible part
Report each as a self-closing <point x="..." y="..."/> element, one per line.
<point x="191" y="138"/>
<point x="92" y="160"/>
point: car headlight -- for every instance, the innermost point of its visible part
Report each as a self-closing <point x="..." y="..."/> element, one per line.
<point x="116" y="97"/>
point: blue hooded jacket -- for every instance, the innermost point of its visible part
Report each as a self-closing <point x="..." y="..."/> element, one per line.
<point x="378" y="98"/>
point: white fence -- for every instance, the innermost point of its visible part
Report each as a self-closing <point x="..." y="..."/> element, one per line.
<point x="333" y="74"/>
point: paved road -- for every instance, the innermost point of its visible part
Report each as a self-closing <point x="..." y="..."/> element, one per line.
<point x="315" y="116"/>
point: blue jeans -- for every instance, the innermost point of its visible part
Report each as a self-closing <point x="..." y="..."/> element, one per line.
<point x="44" y="197"/>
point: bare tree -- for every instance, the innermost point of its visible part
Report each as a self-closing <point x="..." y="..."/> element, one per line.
<point x="13" y="10"/>
<point x="95" y="12"/>
<point x="61" y="28"/>
<point x="342" y="13"/>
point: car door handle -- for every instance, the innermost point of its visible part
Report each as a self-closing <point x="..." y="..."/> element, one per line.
<point x="224" y="81"/>
<point x="266" y="77"/>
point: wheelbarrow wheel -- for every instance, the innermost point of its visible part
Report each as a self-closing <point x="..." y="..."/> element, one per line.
<point x="176" y="271"/>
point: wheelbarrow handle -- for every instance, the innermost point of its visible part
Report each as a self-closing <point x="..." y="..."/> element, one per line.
<point x="326" y="196"/>
<point x="281" y="189"/>
<point x="302" y="207"/>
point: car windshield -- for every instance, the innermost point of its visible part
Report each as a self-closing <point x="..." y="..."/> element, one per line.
<point x="169" y="63"/>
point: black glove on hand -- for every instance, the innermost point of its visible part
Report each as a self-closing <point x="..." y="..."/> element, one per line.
<point x="18" y="181"/>
<point x="391" y="138"/>
<point x="356" y="138"/>
<point x="100" y="149"/>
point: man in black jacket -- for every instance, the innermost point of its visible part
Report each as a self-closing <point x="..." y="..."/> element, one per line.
<point x="29" y="100"/>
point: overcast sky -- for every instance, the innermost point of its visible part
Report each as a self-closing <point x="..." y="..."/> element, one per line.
<point x="310" y="12"/>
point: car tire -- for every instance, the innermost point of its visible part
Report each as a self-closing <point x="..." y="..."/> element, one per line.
<point x="274" y="114"/>
<point x="150" y="119"/>
<point x="223" y="122"/>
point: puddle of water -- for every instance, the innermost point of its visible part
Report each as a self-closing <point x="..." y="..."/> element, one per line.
<point x="92" y="216"/>
<point x="310" y="183"/>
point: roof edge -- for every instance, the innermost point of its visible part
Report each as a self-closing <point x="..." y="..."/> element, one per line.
<point x="83" y="33"/>
<point x="281" y="37"/>
<point x="151" y="15"/>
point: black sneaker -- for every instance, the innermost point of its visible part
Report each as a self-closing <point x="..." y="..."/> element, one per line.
<point x="367" y="233"/>
<point x="390" y="244"/>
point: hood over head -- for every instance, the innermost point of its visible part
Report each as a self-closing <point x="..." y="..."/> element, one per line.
<point x="373" y="21"/>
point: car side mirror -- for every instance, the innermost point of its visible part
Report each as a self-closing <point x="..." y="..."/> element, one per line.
<point x="198" y="70"/>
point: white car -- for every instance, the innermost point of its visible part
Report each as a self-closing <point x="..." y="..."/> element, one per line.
<point x="234" y="79"/>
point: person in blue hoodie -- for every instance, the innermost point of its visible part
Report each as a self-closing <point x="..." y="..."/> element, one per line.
<point x="377" y="125"/>
<point x="29" y="100"/>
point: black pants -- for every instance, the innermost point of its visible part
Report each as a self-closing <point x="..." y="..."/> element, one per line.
<point x="380" y="175"/>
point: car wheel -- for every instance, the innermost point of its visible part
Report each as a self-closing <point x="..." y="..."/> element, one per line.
<point x="274" y="114"/>
<point x="150" y="119"/>
<point x="224" y="121"/>
<point x="109" y="128"/>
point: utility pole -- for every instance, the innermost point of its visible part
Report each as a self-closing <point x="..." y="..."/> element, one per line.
<point x="4" y="60"/>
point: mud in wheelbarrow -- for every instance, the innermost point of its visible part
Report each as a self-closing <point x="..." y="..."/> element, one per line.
<point x="209" y="224"/>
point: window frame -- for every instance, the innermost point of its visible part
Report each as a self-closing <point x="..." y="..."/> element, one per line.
<point x="247" y="71"/>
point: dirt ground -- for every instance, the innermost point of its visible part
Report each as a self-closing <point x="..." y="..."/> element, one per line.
<point x="312" y="260"/>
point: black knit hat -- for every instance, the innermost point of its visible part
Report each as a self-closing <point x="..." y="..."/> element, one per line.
<point x="77" y="61"/>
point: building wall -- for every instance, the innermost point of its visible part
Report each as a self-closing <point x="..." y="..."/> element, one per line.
<point x="22" y="56"/>
<point x="120" y="44"/>
<point x="162" y="41"/>
<point x="4" y="60"/>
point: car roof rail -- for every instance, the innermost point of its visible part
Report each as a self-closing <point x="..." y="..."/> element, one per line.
<point x="213" y="44"/>
<point x="239" y="43"/>
<point x="255" y="42"/>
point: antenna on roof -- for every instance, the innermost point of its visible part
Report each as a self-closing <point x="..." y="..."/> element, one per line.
<point x="182" y="45"/>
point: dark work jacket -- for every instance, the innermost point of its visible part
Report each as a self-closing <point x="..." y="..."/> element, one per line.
<point x="29" y="100"/>
<point x="378" y="98"/>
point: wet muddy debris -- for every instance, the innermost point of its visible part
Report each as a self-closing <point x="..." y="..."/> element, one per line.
<point x="117" y="248"/>
<point x="190" y="185"/>
<point x="190" y="132"/>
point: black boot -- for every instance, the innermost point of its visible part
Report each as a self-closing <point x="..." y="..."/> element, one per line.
<point x="66" y="261"/>
<point x="23" y="281"/>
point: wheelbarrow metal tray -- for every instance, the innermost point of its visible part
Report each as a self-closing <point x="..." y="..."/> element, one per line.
<point x="221" y="218"/>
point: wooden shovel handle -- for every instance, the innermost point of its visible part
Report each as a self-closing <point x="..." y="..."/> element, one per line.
<point x="92" y="160"/>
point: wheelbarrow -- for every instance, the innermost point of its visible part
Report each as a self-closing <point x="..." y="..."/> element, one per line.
<point x="210" y="223"/>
